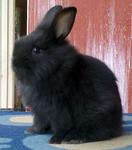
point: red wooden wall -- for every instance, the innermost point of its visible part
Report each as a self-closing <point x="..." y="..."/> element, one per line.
<point x="102" y="29"/>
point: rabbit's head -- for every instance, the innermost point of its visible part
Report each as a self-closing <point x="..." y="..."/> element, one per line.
<point x="40" y="53"/>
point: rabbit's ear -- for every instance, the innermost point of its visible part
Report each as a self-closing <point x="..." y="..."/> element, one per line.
<point x="49" y="17"/>
<point x="63" y="22"/>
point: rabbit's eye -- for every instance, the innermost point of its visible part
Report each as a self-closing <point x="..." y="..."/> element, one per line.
<point x="36" y="50"/>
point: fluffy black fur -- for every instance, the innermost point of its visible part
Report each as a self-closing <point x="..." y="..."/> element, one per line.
<point x="73" y="95"/>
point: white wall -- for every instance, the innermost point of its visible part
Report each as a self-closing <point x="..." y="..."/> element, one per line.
<point x="6" y="47"/>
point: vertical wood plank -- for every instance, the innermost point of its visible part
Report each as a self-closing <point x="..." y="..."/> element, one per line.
<point x="4" y="53"/>
<point x="11" y="26"/>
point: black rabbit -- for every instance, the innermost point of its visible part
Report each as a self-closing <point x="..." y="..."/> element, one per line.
<point x="73" y="95"/>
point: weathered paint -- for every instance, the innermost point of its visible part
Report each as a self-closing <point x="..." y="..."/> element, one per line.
<point x="102" y="29"/>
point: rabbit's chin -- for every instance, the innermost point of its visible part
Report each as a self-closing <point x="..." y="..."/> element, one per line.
<point x="25" y="90"/>
<point x="24" y="77"/>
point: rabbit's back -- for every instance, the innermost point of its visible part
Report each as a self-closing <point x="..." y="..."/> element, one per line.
<point x="95" y="97"/>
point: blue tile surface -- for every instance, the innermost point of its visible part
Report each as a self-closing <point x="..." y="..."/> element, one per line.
<point x="14" y="137"/>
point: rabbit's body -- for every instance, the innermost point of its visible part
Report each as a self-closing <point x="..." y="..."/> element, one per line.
<point x="74" y="95"/>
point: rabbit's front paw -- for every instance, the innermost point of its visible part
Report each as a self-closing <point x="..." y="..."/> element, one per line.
<point x="56" y="139"/>
<point x="35" y="130"/>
